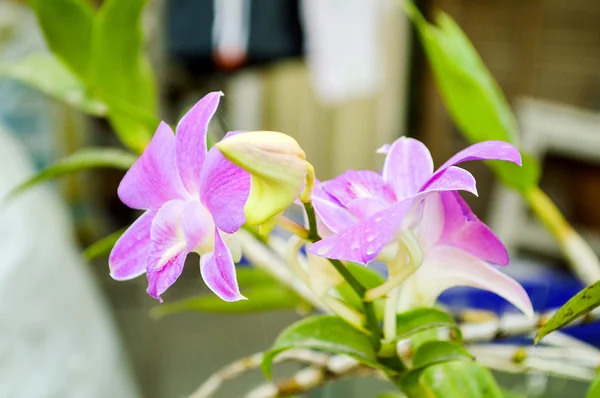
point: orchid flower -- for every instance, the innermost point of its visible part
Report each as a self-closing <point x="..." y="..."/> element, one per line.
<point x="193" y="201"/>
<point x="364" y="209"/>
<point x="456" y="250"/>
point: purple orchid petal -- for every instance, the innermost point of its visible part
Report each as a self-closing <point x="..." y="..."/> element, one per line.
<point x="451" y="179"/>
<point x="224" y="189"/>
<point x="384" y="149"/>
<point x="197" y="226"/>
<point x="364" y="208"/>
<point x="191" y="140"/>
<point x="464" y="230"/>
<point x="445" y="267"/>
<point x="218" y="271"/>
<point x="427" y="220"/>
<point x="168" y="249"/>
<point x="153" y="179"/>
<point x="408" y="165"/>
<point x="127" y="259"/>
<point x="333" y="217"/>
<point x="486" y="150"/>
<point x="356" y="184"/>
<point x="159" y="280"/>
<point x="363" y="241"/>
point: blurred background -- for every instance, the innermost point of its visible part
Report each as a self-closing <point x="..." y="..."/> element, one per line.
<point x="343" y="78"/>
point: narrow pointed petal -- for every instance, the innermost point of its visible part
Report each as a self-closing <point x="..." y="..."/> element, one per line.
<point x="153" y="179"/>
<point x="191" y="140"/>
<point x="224" y="190"/>
<point x="463" y="229"/>
<point x="358" y="184"/>
<point x="128" y="257"/>
<point x="408" y="165"/>
<point x="363" y="241"/>
<point x="197" y="226"/>
<point x="451" y="179"/>
<point x="168" y="249"/>
<point x="218" y="271"/>
<point x="486" y="150"/>
<point x="445" y="267"/>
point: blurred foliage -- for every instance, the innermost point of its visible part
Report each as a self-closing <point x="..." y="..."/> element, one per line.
<point x="83" y="159"/>
<point x="263" y="293"/>
<point x="98" y="64"/>
<point x="473" y="99"/>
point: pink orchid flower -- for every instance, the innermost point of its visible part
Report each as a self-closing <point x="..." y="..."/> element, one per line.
<point x="457" y="250"/>
<point x="193" y="201"/>
<point x="363" y="210"/>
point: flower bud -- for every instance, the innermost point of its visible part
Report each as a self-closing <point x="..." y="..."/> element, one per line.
<point x="277" y="168"/>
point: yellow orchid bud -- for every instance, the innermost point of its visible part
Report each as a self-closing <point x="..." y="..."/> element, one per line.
<point x="277" y="166"/>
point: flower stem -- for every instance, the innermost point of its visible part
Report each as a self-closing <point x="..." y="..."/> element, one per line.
<point x="389" y="317"/>
<point x="313" y="233"/>
<point x="371" y="319"/>
<point x="292" y="227"/>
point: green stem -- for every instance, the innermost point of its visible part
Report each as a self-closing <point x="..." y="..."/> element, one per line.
<point x="313" y="234"/>
<point x="369" y="308"/>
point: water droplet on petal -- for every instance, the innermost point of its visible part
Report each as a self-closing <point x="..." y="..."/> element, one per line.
<point x="354" y="246"/>
<point x="370" y="238"/>
<point x="321" y="251"/>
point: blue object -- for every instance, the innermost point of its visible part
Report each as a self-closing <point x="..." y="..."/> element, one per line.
<point x="548" y="289"/>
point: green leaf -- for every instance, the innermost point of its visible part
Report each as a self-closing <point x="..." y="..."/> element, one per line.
<point x="594" y="390"/>
<point x="67" y="28"/>
<point x="248" y="277"/>
<point x="48" y="74"/>
<point x="103" y="246"/>
<point x="326" y="333"/>
<point x="120" y="69"/>
<point x="582" y="303"/>
<point x="452" y="379"/>
<point x="392" y="394"/>
<point x="510" y="394"/>
<point x="473" y="98"/>
<point x="260" y="298"/>
<point x="433" y="352"/>
<point x="132" y="125"/>
<point x="82" y="159"/>
<point x="520" y="178"/>
<point x="422" y="319"/>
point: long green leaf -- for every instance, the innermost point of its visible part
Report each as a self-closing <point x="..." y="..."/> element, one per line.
<point x="48" y="74"/>
<point x="473" y="99"/>
<point x="120" y="69"/>
<point x="582" y="303"/>
<point x="103" y="246"/>
<point x="270" y="297"/>
<point x="82" y="159"/>
<point x="67" y="28"/>
<point x="326" y="333"/>
<point x="422" y="319"/>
